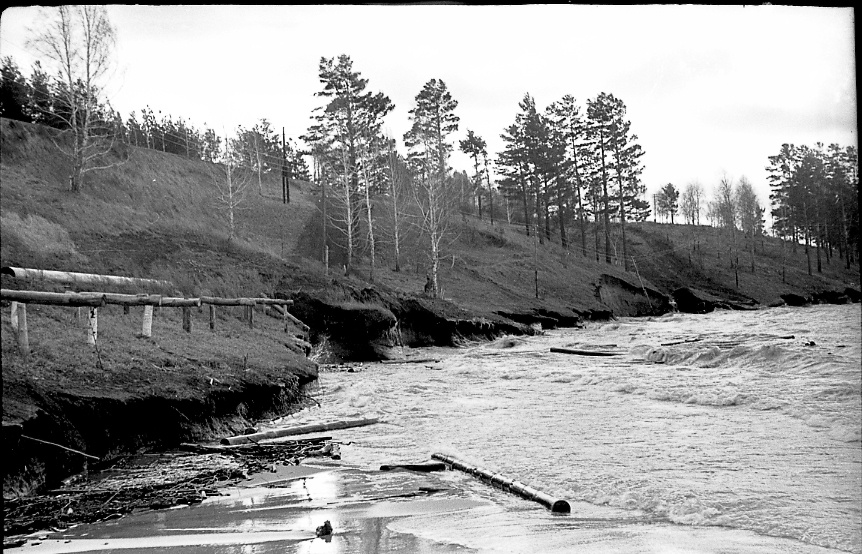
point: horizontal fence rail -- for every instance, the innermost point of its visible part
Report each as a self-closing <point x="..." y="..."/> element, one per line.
<point x="95" y="300"/>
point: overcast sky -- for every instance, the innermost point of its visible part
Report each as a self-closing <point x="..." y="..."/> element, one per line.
<point x="709" y="89"/>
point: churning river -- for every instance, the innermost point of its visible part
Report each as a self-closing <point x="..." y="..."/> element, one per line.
<point x="725" y="432"/>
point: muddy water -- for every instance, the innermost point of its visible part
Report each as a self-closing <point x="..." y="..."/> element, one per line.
<point x="715" y="433"/>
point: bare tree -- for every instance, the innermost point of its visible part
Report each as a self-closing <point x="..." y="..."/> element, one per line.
<point x="79" y="41"/>
<point x="433" y="121"/>
<point x="231" y="186"/>
<point x="690" y="204"/>
<point x="750" y="213"/>
<point x="725" y="208"/>
<point x="397" y="177"/>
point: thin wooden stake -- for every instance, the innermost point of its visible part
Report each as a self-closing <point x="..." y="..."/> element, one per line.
<point x="147" y="325"/>
<point x="13" y="316"/>
<point x="250" y="317"/>
<point x="93" y="326"/>
<point x="187" y="319"/>
<point x="212" y="317"/>
<point x="23" y="338"/>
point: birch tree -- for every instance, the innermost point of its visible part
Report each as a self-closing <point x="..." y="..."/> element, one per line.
<point x="231" y="186"/>
<point x="79" y="42"/>
<point x="433" y="120"/>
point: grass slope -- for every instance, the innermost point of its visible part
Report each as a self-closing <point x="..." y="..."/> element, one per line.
<point x="156" y="215"/>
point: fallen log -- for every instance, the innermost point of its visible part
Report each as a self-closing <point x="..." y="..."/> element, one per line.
<point x="418" y="361"/>
<point x="74" y="277"/>
<point x="583" y="352"/>
<point x="300" y="430"/>
<point x="524" y="491"/>
<point x="222" y="448"/>
<point x="679" y="342"/>
<point x="424" y="467"/>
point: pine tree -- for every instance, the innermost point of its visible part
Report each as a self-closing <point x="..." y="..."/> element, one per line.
<point x="13" y="91"/>
<point x="668" y="200"/>
<point x="349" y="127"/>
<point x="475" y="147"/>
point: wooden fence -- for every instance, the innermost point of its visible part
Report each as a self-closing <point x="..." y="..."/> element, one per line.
<point x="96" y="300"/>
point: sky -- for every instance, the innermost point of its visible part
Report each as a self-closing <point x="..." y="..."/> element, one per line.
<point x="710" y="90"/>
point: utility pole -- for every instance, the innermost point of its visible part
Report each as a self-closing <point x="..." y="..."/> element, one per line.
<point x="285" y="172"/>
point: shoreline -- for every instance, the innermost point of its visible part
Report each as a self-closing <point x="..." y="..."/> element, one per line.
<point x="396" y="511"/>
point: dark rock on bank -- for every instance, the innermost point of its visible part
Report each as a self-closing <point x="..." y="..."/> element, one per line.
<point x="830" y="297"/>
<point x="358" y="331"/>
<point x="373" y="324"/>
<point x="531" y="318"/>
<point x="625" y="299"/>
<point x="688" y="302"/>
<point x="853" y="294"/>
<point x="595" y="314"/>
<point x="792" y="299"/>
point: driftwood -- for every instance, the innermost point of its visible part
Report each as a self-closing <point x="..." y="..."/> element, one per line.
<point x="679" y="342"/>
<point x="300" y="430"/>
<point x="583" y="352"/>
<point x="61" y="446"/>
<point x="529" y="493"/>
<point x="424" y="467"/>
<point x="422" y="361"/>
<point x="251" y="446"/>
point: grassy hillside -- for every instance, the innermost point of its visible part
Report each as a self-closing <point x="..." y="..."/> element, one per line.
<point x="156" y="215"/>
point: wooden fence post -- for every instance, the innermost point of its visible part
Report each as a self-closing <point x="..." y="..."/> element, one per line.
<point x="284" y="314"/>
<point x="93" y="326"/>
<point x="212" y="317"/>
<point x="125" y="309"/>
<point x="251" y="317"/>
<point x="13" y="316"/>
<point x="23" y="338"/>
<point x="187" y="319"/>
<point x="147" y="326"/>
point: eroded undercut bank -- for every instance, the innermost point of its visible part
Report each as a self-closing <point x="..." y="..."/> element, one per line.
<point x="70" y="433"/>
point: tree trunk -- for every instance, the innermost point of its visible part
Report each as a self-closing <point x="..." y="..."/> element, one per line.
<point x="607" y="219"/>
<point x="524" y="194"/>
<point x="561" y="212"/>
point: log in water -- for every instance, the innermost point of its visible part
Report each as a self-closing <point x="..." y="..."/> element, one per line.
<point x="583" y="352"/>
<point x="524" y="491"/>
<point x="300" y="430"/>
